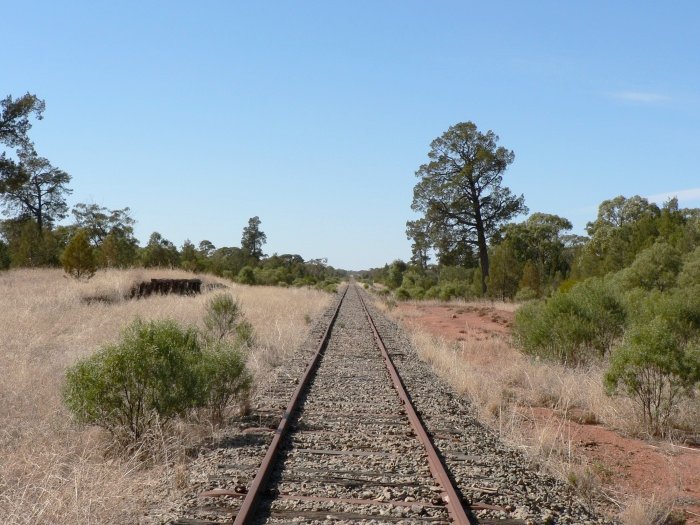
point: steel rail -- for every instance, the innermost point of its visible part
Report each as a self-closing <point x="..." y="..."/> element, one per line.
<point x="449" y="493"/>
<point x="247" y="509"/>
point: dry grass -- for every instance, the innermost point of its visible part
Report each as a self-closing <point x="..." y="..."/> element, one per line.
<point x="505" y="385"/>
<point x="651" y="511"/>
<point x="528" y="402"/>
<point x="50" y="470"/>
<point x="531" y="403"/>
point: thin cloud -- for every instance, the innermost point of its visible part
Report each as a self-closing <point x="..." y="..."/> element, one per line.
<point x="641" y="97"/>
<point x="691" y="194"/>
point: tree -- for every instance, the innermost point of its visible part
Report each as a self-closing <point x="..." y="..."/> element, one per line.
<point x="227" y="261"/>
<point x="189" y="258"/>
<point x="396" y="271"/>
<point x="539" y="240"/>
<point x="100" y="222"/>
<point x="160" y="252"/>
<point x="253" y="239"/>
<point x="28" y="246"/>
<point x="79" y="257"/>
<point x="34" y="188"/>
<point x="531" y="278"/>
<point x="655" y="268"/>
<point x="14" y="119"/>
<point x="623" y="228"/>
<point x="460" y="190"/>
<point x="419" y="232"/>
<point x="505" y="272"/>
<point x="4" y="256"/>
<point x="111" y="232"/>
<point x="621" y="211"/>
<point x="206" y="248"/>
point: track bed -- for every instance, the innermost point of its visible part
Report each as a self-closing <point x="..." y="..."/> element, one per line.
<point x="348" y="449"/>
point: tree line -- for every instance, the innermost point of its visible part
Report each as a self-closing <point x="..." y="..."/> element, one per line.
<point x="625" y="296"/>
<point x="33" y="197"/>
<point x="465" y="243"/>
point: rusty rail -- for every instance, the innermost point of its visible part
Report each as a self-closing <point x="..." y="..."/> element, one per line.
<point x="449" y="493"/>
<point x="245" y="513"/>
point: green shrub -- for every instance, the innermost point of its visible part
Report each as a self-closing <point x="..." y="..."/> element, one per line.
<point x="246" y="275"/>
<point x="655" y="369"/>
<point x="572" y="327"/>
<point x="690" y="274"/>
<point x="223" y="370"/>
<point x="158" y="371"/>
<point x="566" y="285"/>
<point x="416" y="293"/>
<point x="245" y="334"/>
<point x="447" y="292"/>
<point x="455" y="273"/>
<point x="402" y="294"/>
<point x="78" y="258"/>
<point x="432" y="293"/>
<point x="450" y="290"/>
<point x="222" y="313"/>
<point x="526" y="294"/>
<point x="654" y="268"/>
<point x="151" y="373"/>
<point x="328" y="285"/>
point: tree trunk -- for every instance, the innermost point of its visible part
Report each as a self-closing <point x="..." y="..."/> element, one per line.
<point x="483" y="247"/>
<point x="39" y="211"/>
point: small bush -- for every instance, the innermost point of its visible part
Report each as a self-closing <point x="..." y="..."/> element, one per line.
<point x="246" y="275"/>
<point x="223" y="370"/>
<point x="402" y="294"/>
<point x="78" y="258"/>
<point x="416" y="293"/>
<point x="149" y="374"/>
<point x="432" y="293"/>
<point x="4" y="256"/>
<point x="245" y="335"/>
<point x="222" y="313"/>
<point x="654" y="268"/>
<point x="155" y="373"/>
<point x="690" y="274"/>
<point x="572" y="327"/>
<point x="526" y="294"/>
<point x="450" y="290"/>
<point x="655" y="369"/>
<point x="327" y="285"/>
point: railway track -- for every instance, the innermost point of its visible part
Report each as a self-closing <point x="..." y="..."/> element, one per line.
<point x="344" y="444"/>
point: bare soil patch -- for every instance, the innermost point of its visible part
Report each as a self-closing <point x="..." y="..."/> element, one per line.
<point x="626" y="467"/>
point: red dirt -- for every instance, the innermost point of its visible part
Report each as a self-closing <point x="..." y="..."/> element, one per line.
<point x="625" y="466"/>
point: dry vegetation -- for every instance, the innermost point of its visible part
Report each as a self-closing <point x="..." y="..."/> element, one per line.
<point x="51" y="471"/>
<point x="528" y="402"/>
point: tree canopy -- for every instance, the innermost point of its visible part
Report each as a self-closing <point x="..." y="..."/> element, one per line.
<point x="460" y="193"/>
<point x="34" y="188"/>
<point x="14" y="119"/>
<point x="253" y="239"/>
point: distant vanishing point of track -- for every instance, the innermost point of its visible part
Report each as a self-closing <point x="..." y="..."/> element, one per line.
<point x="342" y="442"/>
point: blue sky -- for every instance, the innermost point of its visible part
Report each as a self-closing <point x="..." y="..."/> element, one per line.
<point x="314" y="116"/>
